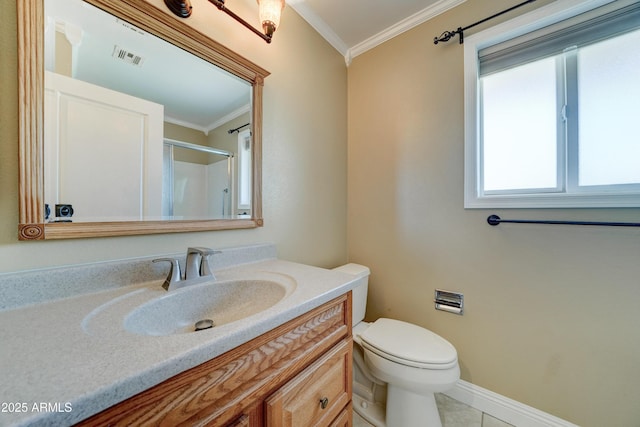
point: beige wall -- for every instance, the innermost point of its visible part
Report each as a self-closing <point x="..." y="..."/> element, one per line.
<point x="552" y="316"/>
<point x="304" y="168"/>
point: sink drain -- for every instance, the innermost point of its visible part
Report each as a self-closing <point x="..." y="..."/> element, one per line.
<point x="201" y="325"/>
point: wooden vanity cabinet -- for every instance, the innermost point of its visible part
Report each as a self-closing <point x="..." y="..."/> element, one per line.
<point x="296" y="375"/>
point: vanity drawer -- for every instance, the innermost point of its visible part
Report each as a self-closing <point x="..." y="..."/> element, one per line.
<point x="316" y="396"/>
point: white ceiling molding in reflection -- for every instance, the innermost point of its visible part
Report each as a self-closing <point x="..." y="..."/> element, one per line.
<point x="74" y="35"/>
<point x="232" y="115"/>
<point x="206" y="129"/>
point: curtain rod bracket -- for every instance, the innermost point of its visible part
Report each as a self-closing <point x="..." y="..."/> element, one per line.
<point x="448" y="35"/>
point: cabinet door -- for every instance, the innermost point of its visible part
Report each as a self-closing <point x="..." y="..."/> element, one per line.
<point x="317" y="395"/>
<point x="345" y="419"/>
<point x="242" y="421"/>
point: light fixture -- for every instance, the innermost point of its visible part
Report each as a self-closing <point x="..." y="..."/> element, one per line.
<point x="270" y="11"/>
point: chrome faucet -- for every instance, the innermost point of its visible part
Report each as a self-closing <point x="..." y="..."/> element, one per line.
<point x="197" y="269"/>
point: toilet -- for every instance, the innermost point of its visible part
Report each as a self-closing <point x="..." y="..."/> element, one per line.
<point x="397" y="366"/>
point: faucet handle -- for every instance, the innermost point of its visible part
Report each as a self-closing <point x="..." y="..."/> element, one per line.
<point x="205" y="253"/>
<point x="174" y="273"/>
<point x="205" y="267"/>
<point x="202" y="250"/>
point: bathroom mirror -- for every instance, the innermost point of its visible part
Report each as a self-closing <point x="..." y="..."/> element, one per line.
<point x="153" y="190"/>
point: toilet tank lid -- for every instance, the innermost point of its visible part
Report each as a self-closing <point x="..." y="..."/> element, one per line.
<point x="354" y="269"/>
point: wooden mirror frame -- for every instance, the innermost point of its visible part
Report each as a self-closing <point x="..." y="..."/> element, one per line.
<point x="163" y="24"/>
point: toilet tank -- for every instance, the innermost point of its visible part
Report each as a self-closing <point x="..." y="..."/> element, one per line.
<point x="360" y="291"/>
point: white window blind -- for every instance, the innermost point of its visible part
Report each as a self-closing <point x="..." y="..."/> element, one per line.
<point x="582" y="30"/>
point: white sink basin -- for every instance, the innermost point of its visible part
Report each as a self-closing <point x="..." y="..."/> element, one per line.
<point x="223" y="302"/>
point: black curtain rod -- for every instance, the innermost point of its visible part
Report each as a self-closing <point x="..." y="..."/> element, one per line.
<point x="495" y="220"/>
<point x="238" y="128"/>
<point x="448" y="35"/>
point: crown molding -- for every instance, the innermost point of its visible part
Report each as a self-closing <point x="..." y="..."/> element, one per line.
<point x="206" y="129"/>
<point x="232" y="115"/>
<point x="404" y="25"/>
<point x="301" y="7"/>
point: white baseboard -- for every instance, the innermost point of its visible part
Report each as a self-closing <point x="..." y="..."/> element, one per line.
<point x="503" y="408"/>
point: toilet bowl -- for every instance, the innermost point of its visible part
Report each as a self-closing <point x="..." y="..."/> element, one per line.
<point x="397" y="366"/>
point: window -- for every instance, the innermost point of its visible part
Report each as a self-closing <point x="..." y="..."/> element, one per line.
<point x="552" y="108"/>
<point x="244" y="171"/>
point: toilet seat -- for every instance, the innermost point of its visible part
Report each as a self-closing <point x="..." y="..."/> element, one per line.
<point x="408" y="345"/>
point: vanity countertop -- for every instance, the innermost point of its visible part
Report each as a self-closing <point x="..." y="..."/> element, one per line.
<point x="55" y="370"/>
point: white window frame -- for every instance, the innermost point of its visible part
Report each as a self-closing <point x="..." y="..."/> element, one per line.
<point x="245" y="187"/>
<point x="473" y="197"/>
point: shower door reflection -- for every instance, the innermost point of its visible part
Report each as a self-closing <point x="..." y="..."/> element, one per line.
<point x="197" y="181"/>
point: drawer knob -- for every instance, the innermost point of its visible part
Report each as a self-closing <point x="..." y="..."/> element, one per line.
<point x="324" y="402"/>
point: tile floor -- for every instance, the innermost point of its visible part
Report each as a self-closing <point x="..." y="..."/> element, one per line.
<point x="452" y="414"/>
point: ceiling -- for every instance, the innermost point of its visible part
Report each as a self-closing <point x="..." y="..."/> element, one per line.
<point x="355" y="26"/>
